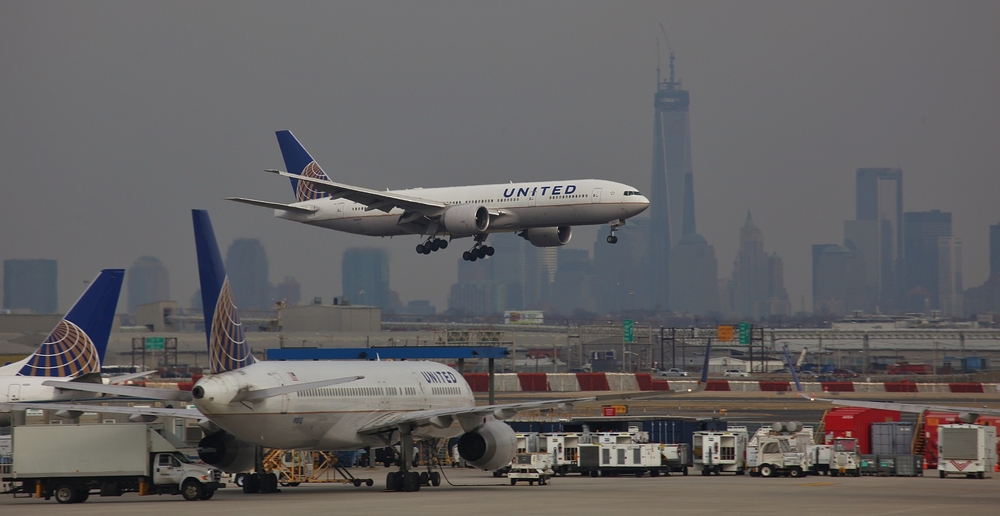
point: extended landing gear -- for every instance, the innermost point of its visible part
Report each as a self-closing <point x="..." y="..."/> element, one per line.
<point x="431" y="245"/>
<point x="615" y="224"/>
<point x="478" y="251"/>
<point x="405" y="479"/>
<point x="259" y="481"/>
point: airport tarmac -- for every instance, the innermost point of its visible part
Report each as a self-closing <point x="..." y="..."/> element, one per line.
<point x="478" y="492"/>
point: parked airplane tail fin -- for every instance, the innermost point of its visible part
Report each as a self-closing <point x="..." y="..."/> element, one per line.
<point x="227" y="346"/>
<point x="299" y="162"/>
<point x="77" y="344"/>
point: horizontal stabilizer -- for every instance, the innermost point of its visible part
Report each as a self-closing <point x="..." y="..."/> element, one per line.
<point x="275" y="205"/>
<point x="260" y="394"/>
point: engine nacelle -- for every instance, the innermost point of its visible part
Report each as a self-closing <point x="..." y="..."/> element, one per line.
<point x="548" y="237"/>
<point x="490" y="447"/>
<point x="226" y="452"/>
<point x="466" y="220"/>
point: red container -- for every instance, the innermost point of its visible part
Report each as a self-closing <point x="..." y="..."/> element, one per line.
<point x="855" y="422"/>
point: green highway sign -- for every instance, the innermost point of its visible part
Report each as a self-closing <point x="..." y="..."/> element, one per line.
<point x="744" y="333"/>
<point x="628" y="330"/>
<point x="154" y="343"/>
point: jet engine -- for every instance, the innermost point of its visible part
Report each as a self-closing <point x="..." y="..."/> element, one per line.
<point x="489" y="447"/>
<point x="548" y="237"/>
<point x="466" y="220"/>
<point x="226" y="452"/>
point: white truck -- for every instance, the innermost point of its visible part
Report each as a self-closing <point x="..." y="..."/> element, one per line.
<point x="818" y="458"/>
<point x="716" y="452"/>
<point x="69" y="462"/>
<point x="531" y="468"/>
<point x="773" y="456"/>
<point x="968" y="450"/>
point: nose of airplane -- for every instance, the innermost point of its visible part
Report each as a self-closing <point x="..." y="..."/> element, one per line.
<point x="641" y="205"/>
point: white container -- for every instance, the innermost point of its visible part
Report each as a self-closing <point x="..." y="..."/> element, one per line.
<point x="968" y="450"/>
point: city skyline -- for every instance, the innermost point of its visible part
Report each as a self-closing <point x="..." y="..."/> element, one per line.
<point x="784" y="111"/>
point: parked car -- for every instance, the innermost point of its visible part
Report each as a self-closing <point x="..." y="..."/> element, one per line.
<point x="806" y="374"/>
<point x="844" y="373"/>
<point x="736" y="372"/>
<point x="673" y="371"/>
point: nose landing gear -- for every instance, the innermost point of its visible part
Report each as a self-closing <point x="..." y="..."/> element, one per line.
<point x="615" y="224"/>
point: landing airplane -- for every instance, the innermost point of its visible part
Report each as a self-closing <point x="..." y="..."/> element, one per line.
<point x="71" y="355"/>
<point x="543" y="213"/>
<point x="965" y="414"/>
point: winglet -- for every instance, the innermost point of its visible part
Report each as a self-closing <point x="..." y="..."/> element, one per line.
<point x="77" y="344"/>
<point x="300" y="163"/>
<point x="227" y="346"/>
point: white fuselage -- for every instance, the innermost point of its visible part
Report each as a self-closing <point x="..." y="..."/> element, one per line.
<point x="520" y="206"/>
<point x="14" y="389"/>
<point x="329" y="418"/>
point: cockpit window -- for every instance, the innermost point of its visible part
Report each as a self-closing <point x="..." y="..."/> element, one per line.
<point x="632" y="192"/>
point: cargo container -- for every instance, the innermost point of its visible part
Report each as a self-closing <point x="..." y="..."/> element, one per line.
<point x="909" y="465"/>
<point x="869" y="464"/>
<point x="968" y="450"/>
<point x="623" y="459"/>
<point x="891" y="438"/>
<point x="855" y="422"/>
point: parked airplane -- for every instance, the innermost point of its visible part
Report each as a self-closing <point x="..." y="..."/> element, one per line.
<point x="72" y="354"/>
<point x="542" y="212"/>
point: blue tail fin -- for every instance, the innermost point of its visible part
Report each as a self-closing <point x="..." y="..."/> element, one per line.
<point x="227" y="347"/>
<point x="299" y="162"/>
<point x="791" y="367"/>
<point x="77" y="344"/>
<point x="704" y="369"/>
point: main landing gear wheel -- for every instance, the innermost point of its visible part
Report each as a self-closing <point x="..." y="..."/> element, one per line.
<point x="435" y="478"/>
<point x="432" y="245"/>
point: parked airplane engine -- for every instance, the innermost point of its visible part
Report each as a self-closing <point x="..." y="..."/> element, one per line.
<point x="548" y="237"/>
<point x="489" y="447"/>
<point x="226" y="452"/>
<point x="466" y="220"/>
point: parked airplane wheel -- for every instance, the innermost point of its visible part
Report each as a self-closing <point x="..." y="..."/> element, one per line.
<point x="239" y="478"/>
<point x="251" y="484"/>
<point x="425" y="479"/>
<point x="390" y="481"/>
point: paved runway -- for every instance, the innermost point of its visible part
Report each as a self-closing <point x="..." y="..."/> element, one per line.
<point x="479" y="493"/>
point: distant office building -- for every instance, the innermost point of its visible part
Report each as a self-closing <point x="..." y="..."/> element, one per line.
<point x="994" y="249"/>
<point x="694" y="277"/>
<point x="838" y="286"/>
<point x="366" y="277"/>
<point x="921" y="271"/>
<point x="950" y="276"/>
<point x="288" y="292"/>
<point x="671" y="179"/>
<point x="879" y="215"/>
<point x="575" y="282"/>
<point x="31" y="285"/>
<point x="758" y="278"/>
<point x="148" y="282"/>
<point x="622" y="281"/>
<point x="418" y="307"/>
<point x="247" y="267"/>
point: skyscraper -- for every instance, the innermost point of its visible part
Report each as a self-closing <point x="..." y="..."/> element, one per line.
<point x="921" y="275"/>
<point x="621" y="283"/>
<point x="366" y="277"/>
<point x="838" y="274"/>
<point x="148" y="282"/>
<point x="879" y="209"/>
<point x="31" y="285"/>
<point x="671" y="179"/>
<point x="694" y="276"/>
<point x="950" y="276"/>
<point x="248" y="270"/>
<point x="750" y="270"/>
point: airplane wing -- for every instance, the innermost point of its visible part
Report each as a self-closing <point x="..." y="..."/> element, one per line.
<point x="130" y="376"/>
<point x="107" y="409"/>
<point x="373" y="199"/>
<point x="303" y="210"/>
<point x="132" y="391"/>
<point x="911" y="407"/>
<point x="471" y="417"/>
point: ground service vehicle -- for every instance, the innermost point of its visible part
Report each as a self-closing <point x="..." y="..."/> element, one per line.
<point x="69" y="462"/>
<point x="818" y="458"/>
<point x="773" y="456"/>
<point x="623" y="459"/>
<point x="737" y="373"/>
<point x="715" y="452"/>
<point x="677" y="457"/>
<point x="968" y="450"/>
<point x="845" y="460"/>
<point x="673" y="371"/>
<point x="531" y="468"/>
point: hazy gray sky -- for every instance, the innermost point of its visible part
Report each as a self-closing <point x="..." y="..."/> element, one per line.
<point x="119" y="117"/>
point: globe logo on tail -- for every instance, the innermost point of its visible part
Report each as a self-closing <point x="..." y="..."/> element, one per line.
<point x="66" y="352"/>
<point x="229" y="350"/>
<point x="306" y="191"/>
